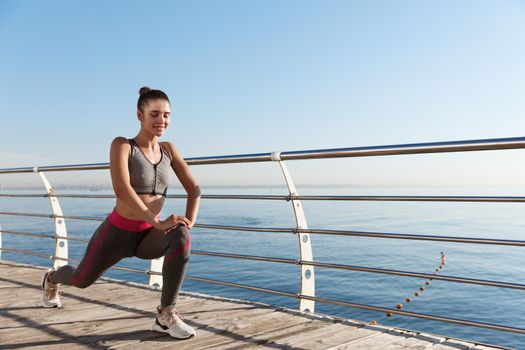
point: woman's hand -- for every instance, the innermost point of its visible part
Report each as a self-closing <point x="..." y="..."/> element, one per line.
<point x="172" y="222"/>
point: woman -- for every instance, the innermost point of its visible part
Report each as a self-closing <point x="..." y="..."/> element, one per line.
<point x="139" y="173"/>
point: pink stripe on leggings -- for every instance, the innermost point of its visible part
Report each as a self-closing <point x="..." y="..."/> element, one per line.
<point x="180" y="250"/>
<point x="89" y="256"/>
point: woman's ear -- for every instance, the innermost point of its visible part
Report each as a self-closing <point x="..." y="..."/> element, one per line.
<point x="139" y="115"/>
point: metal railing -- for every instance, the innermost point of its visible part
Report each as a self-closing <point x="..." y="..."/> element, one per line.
<point x="305" y="261"/>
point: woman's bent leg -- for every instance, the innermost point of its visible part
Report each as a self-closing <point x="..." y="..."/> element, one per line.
<point x="106" y="247"/>
<point x="175" y="247"/>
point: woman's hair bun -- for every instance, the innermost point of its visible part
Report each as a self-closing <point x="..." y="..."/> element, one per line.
<point x="147" y="95"/>
<point x="144" y="89"/>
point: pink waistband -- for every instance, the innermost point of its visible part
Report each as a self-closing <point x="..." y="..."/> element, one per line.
<point x="128" y="224"/>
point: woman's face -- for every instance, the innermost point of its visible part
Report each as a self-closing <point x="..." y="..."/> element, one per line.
<point x="156" y="117"/>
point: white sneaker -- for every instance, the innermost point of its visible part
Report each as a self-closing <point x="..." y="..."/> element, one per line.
<point x="169" y="321"/>
<point x="50" y="292"/>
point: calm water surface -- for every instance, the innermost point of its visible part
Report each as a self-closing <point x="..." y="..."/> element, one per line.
<point x="485" y="304"/>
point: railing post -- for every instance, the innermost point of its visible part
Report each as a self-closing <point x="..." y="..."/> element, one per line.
<point x="156" y="266"/>
<point x="305" y="247"/>
<point x="61" y="246"/>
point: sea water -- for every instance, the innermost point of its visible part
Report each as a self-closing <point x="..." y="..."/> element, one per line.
<point x="449" y="299"/>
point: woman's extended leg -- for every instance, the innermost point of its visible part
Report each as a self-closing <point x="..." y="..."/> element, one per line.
<point x="107" y="246"/>
<point x="175" y="247"/>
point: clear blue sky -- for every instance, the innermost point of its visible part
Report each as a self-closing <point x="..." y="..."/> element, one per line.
<point x="261" y="76"/>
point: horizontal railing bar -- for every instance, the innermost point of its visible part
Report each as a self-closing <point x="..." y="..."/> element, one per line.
<point x="413" y="148"/>
<point x="21" y="251"/>
<point x="489" y="283"/>
<point x="32" y="195"/>
<point x="246" y="228"/>
<point x="53" y="216"/>
<point x="45" y="195"/>
<point x="505" y="199"/>
<point x="243" y="286"/>
<point x="481" y="199"/>
<point x="94" y="166"/>
<point x="76" y="217"/>
<point x="246" y="257"/>
<point x="27" y="214"/>
<point x="120" y="268"/>
<point x="507" y="242"/>
<point x="481" y="282"/>
<point x="71" y="238"/>
<point x="239" y="196"/>
<point x="399" y="149"/>
<point x="418" y="148"/>
<point x="28" y="234"/>
<point x="490" y="241"/>
<point x="87" y="196"/>
<point x="417" y="315"/>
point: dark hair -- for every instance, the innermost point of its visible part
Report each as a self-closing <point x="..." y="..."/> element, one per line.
<point x="147" y="94"/>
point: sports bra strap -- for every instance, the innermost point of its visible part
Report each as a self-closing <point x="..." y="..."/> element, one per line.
<point x="165" y="151"/>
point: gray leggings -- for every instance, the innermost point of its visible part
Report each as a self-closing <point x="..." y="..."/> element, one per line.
<point x="109" y="244"/>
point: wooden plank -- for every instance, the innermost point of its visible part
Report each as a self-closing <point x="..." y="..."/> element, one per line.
<point x="374" y="341"/>
<point x="330" y="336"/>
<point x="417" y="341"/>
<point x="245" y="331"/>
<point x="17" y="296"/>
<point x="16" y="276"/>
<point x="452" y="344"/>
<point x="273" y="339"/>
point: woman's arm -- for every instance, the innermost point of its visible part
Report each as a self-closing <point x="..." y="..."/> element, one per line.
<point x="118" y="166"/>
<point x="183" y="172"/>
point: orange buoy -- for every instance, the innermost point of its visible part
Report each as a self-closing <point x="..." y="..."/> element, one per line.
<point x="399" y="306"/>
<point x="408" y="300"/>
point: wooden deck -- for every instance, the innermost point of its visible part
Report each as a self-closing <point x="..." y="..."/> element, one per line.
<point x="112" y="314"/>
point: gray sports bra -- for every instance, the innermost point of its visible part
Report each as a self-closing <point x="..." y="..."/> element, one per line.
<point x="146" y="177"/>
